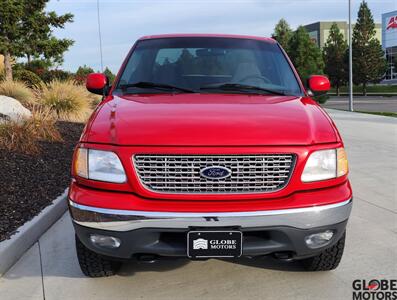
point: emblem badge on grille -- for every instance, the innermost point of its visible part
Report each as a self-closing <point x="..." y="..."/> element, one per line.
<point x="215" y="172"/>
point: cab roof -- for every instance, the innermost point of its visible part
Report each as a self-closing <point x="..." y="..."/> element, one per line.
<point x="233" y="36"/>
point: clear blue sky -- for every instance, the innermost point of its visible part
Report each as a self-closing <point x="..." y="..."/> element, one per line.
<point x="123" y="21"/>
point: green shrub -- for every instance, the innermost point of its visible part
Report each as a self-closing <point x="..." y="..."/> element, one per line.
<point x="377" y="88"/>
<point x="321" y="98"/>
<point x="50" y="75"/>
<point x="81" y="74"/>
<point x="110" y="75"/>
<point x="31" y="79"/>
<point x="17" y="90"/>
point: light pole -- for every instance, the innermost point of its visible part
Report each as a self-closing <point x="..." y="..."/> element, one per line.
<point x="350" y="60"/>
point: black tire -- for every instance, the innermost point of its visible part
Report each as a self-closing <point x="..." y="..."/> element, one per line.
<point x="328" y="259"/>
<point x="93" y="264"/>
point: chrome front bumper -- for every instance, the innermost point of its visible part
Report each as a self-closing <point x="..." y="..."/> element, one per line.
<point x="126" y="220"/>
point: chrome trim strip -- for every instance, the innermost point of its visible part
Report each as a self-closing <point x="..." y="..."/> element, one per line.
<point x="125" y="220"/>
<point x="202" y="214"/>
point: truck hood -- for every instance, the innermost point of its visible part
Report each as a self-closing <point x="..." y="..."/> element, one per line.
<point x="209" y="120"/>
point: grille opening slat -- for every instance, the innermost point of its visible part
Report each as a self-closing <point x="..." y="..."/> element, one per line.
<point x="181" y="173"/>
<point x="189" y="167"/>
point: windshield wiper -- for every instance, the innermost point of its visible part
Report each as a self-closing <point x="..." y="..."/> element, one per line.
<point x="241" y="88"/>
<point x="153" y="85"/>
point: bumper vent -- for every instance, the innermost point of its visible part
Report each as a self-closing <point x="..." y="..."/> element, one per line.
<point x="234" y="174"/>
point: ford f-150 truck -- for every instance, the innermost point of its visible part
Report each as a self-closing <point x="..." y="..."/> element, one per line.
<point x="208" y="146"/>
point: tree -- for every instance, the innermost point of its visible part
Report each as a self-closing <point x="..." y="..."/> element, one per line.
<point x="35" y="65"/>
<point x="26" y="31"/>
<point x="186" y="62"/>
<point x="110" y="75"/>
<point x="369" y="64"/>
<point x="10" y="14"/>
<point x="306" y="56"/>
<point x="83" y="71"/>
<point x="282" y="34"/>
<point x="334" y="57"/>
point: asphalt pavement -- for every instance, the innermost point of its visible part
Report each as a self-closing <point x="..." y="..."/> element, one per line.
<point x="49" y="269"/>
<point x="360" y="103"/>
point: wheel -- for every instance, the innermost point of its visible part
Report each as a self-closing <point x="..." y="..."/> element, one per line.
<point x="328" y="259"/>
<point x="93" y="264"/>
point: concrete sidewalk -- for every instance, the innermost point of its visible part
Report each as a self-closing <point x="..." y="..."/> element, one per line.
<point x="371" y="247"/>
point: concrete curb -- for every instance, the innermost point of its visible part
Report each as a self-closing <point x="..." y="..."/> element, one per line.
<point x="11" y="250"/>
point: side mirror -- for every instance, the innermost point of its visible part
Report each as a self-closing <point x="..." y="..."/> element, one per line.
<point x="97" y="83"/>
<point x="319" y="84"/>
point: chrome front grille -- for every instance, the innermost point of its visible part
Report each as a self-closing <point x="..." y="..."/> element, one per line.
<point x="182" y="173"/>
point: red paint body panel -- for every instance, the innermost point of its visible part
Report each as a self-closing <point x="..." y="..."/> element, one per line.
<point x="112" y="200"/>
<point x="209" y="124"/>
<point x="210" y="120"/>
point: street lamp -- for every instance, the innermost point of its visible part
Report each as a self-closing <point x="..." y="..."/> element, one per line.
<point x="350" y="60"/>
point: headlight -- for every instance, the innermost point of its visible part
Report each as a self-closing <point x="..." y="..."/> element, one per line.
<point x="99" y="165"/>
<point x="325" y="164"/>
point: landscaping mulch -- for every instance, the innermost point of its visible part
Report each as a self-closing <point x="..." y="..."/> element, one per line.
<point x="29" y="183"/>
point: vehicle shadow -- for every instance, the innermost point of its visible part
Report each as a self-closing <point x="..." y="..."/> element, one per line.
<point x="68" y="266"/>
<point x="161" y="265"/>
<point x="167" y="264"/>
<point x="268" y="262"/>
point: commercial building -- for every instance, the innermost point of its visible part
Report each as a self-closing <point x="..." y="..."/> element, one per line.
<point x="319" y="31"/>
<point x="389" y="44"/>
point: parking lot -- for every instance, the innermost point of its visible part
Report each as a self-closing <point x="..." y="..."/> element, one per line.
<point x="49" y="269"/>
<point x="361" y="103"/>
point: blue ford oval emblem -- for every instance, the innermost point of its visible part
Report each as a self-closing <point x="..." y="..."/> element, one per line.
<point x="215" y="172"/>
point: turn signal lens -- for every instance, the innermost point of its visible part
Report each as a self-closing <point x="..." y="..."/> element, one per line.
<point x="81" y="163"/>
<point x="342" y="167"/>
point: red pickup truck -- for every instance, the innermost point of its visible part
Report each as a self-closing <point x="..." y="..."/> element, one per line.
<point x="208" y="146"/>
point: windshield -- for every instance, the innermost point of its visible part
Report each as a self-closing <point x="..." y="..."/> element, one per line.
<point x="207" y="65"/>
